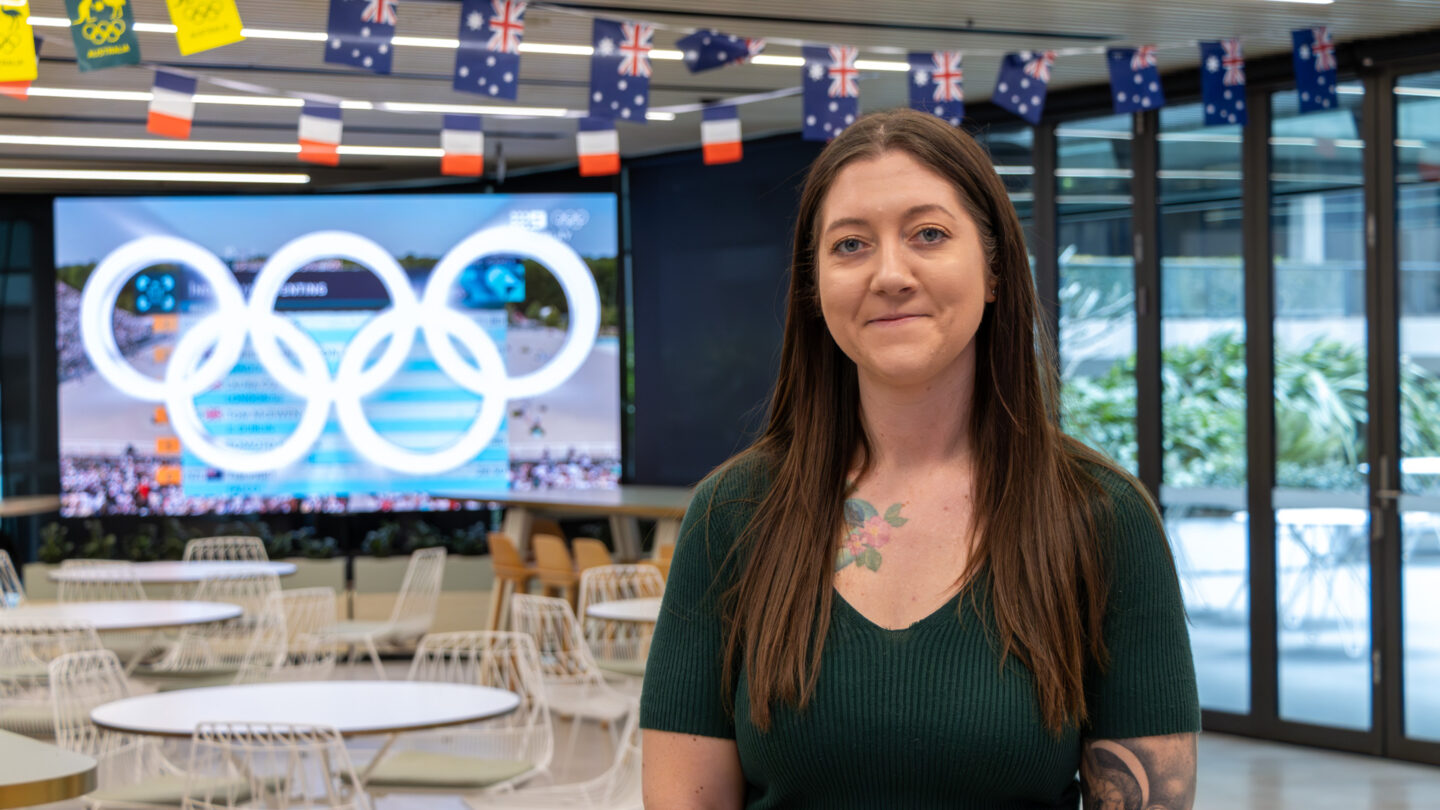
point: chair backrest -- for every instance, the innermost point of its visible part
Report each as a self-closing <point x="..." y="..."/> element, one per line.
<point x="419" y="592"/>
<point x="12" y="593"/>
<point x="104" y="581"/>
<point x="226" y="548"/>
<point x="552" y="558"/>
<point x="251" y="591"/>
<point x="79" y="682"/>
<point x="590" y="553"/>
<point x="621" y="786"/>
<point x="239" y="764"/>
<point x="505" y="558"/>
<point x="667" y="552"/>
<point x="25" y="655"/>
<point x="309" y="621"/>
<point x="498" y="659"/>
<point x="609" y="583"/>
<point x="551" y="623"/>
<point x="252" y="643"/>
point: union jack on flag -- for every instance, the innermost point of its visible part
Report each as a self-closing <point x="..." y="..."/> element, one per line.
<point x="507" y="25"/>
<point x="1323" y="48"/>
<point x="1144" y="57"/>
<point x="635" y="49"/>
<point x="380" y="11"/>
<point x="842" y="72"/>
<point x="753" y="47"/>
<point x="1038" y="65"/>
<point x="1233" y="61"/>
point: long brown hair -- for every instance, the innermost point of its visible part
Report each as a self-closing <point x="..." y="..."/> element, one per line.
<point x="1034" y="527"/>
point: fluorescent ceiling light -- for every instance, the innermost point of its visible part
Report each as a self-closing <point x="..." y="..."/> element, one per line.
<point x="211" y="146"/>
<point x="777" y="61"/>
<point x="874" y="64"/>
<point x="154" y="177"/>
<point x="1306" y="2"/>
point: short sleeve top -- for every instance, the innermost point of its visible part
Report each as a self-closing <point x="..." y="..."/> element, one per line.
<point x="923" y="716"/>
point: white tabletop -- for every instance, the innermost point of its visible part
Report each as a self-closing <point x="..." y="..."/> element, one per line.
<point x="136" y="615"/>
<point x="175" y="573"/>
<point x="626" y="610"/>
<point x="33" y="772"/>
<point x="351" y="707"/>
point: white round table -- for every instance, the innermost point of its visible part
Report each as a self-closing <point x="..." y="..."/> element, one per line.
<point x="646" y="609"/>
<point x="114" y="616"/>
<point x="173" y="572"/>
<point x="352" y="707"/>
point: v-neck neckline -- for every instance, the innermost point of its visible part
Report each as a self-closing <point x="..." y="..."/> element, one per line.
<point x="860" y="618"/>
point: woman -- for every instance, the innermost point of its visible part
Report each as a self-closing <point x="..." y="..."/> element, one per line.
<point x="913" y="590"/>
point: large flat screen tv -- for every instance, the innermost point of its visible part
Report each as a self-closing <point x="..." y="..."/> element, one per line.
<point x="223" y="355"/>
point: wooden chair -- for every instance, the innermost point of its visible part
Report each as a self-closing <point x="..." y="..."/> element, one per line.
<point x="590" y="553"/>
<point x="512" y="576"/>
<point x="554" y="568"/>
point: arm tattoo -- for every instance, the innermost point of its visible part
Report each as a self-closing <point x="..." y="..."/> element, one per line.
<point x="1142" y="773"/>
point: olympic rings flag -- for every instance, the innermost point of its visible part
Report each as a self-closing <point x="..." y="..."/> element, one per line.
<point x="210" y="350"/>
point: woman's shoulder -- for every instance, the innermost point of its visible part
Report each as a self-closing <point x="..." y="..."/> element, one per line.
<point x="725" y="501"/>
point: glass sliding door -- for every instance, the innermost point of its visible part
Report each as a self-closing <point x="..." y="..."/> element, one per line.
<point x="1417" y="169"/>
<point x="1321" y="361"/>
<point x="1203" y="496"/>
<point x="1097" y="284"/>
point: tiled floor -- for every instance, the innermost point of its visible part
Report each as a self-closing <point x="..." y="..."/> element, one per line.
<point x="1235" y="774"/>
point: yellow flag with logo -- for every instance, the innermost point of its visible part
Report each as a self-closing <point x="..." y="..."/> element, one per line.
<point x="204" y="24"/>
<point x="17" y="42"/>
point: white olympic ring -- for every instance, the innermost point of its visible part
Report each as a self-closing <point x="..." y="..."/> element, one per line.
<point x="223" y="333"/>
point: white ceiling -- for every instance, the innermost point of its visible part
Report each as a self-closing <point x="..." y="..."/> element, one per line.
<point x="884" y="31"/>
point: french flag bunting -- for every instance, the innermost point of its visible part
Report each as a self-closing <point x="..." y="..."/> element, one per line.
<point x="831" y="97"/>
<point x="1316" y="70"/>
<point x="1134" y="79"/>
<point x="709" y="49"/>
<point x="172" y="105"/>
<point x="1222" y="82"/>
<point x="1023" y="82"/>
<point x="937" y="84"/>
<point x="320" y="128"/>
<point x="720" y="134"/>
<point x="599" y="147"/>
<point x="360" y="32"/>
<point x="488" y="59"/>
<point x="463" y="141"/>
<point x="620" y="70"/>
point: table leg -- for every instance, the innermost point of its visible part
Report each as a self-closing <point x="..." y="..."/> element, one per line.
<point x="667" y="533"/>
<point x="142" y="651"/>
<point x="517" y="525"/>
<point x="625" y="530"/>
<point x="364" y="776"/>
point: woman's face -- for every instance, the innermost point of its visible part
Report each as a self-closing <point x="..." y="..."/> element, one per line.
<point x="902" y="275"/>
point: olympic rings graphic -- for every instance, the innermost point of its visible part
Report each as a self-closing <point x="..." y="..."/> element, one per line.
<point x="104" y="31"/>
<point x="209" y="350"/>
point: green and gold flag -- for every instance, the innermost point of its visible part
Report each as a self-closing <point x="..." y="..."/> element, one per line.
<point x="204" y="24"/>
<point x="17" y="42"/>
<point x="104" y="33"/>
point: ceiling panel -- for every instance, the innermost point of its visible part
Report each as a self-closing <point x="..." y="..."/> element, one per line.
<point x="883" y="31"/>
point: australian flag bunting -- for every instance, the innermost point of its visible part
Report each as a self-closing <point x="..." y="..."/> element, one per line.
<point x="360" y="32"/>
<point x="1315" y="69"/>
<point x="832" y="91"/>
<point x="1023" y="81"/>
<point x="1222" y="83"/>
<point x="488" y="59"/>
<point x="937" y="84"/>
<point x="1134" y="79"/>
<point x="705" y="50"/>
<point x="620" y="70"/>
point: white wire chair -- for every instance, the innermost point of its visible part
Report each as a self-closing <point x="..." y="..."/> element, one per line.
<point x="287" y="767"/>
<point x="412" y="615"/>
<point x="481" y="758"/>
<point x="12" y="592"/>
<point x="619" y="647"/>
<point x="132" y="772"/>
<point x="574" y="684"/>
<point x="309" y="616"/>
<point x="101" y="581"/>
<point x="25" y="655"/>
<point x="618" y="788"/>
<point x="226" y="548"/>
<point x="245" y="649"/>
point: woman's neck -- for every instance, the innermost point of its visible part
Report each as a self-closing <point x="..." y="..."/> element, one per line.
<point x="918" y="427"/>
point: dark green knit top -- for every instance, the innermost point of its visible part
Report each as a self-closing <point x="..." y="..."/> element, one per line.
<point x="921" y="717"/>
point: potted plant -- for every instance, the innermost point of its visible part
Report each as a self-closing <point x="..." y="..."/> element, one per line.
<point x="54" y="548"/>
<point x="317" y="559"/>
<point x="378" y="573"/>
